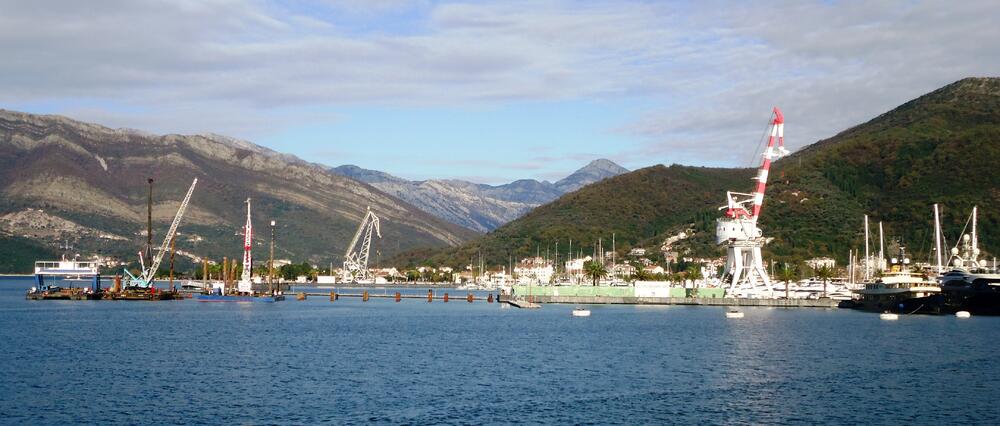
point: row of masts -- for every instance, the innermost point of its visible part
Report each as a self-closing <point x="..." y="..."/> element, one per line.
<point x="967" y="258"/>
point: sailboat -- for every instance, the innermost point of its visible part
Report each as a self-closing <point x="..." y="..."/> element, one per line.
<point x="244" y="291"/>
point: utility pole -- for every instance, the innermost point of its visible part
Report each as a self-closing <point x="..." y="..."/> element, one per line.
<point x="270" y="263"/>
<point x="225" y="274"/>
<point x="172" y="240"/>
<point x="149" y="221"/>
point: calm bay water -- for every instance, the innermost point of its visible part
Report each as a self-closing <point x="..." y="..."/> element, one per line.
<point x="416" y="362"/>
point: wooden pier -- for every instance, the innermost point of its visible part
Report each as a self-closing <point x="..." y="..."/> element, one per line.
<point x="397" y="296"/>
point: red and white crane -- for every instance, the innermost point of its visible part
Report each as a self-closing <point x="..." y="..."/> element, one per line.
<point x="745" y="273"/>
<point x="246" y="283"/>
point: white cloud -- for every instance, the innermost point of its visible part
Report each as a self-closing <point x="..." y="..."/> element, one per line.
<point x="715" y="69"/>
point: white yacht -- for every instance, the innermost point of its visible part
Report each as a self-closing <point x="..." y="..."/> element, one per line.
<point x="896" y="288"/>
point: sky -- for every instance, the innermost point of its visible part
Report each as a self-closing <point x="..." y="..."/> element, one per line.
<point x="489" y="91"/>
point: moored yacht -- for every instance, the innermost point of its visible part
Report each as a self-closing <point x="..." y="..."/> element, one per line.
<point x="899" y="290"/>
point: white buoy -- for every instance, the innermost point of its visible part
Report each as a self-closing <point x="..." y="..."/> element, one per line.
<point x="963" y="314"/>
<point x="888" y="316"/>
<point x="580" y="312"/>
<point x="734" y="314"/>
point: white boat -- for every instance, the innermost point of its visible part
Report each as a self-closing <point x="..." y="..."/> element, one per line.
<point x="888" y="316"/>
<point x="66" y="268"/>
<point x="899" y="289"/>
<point x="963" y="314"/>
<point x="581" y="312"/>
<point x="734" y="314"/>
<point x="813" y="289"/>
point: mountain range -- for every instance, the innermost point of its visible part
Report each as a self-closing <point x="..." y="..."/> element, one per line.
<point x="939" y="148"/>
<point x="65" y="180"/>
<point x="478" y="206"/>
<point x="62" y="180"/>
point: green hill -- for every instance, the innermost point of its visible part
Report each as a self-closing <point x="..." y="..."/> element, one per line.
<point x="940" y="148"/>
<point x="636" y="207"/>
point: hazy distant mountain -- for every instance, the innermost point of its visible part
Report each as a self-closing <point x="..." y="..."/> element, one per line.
<point x="64" y="179"/>
<point x="479" y="206"/>
<point x="596" y="171"/>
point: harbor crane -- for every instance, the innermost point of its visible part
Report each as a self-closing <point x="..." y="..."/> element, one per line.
<point x="145" y="279"/>
<point x="246" y="284"/>
<point x="356" y="258"/>
<point x="745" y="274"/>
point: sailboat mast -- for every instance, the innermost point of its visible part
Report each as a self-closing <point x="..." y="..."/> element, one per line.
<point x="937" y="237"/>
<point x="881" y="248"/>
<point x="867" y="256"/>
<point x="975" y="234"/>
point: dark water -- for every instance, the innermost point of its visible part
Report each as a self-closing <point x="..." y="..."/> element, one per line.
<point x="425" y="363"/>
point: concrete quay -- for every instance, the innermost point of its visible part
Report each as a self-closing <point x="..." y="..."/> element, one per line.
<point x="692" y="301"/>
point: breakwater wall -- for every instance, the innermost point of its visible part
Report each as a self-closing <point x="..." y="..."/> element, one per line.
<point x="694" y="301"/>
<point x="652" y="294"/>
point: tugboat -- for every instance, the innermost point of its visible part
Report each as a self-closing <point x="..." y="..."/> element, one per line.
<point x="899" y="290"/>
<point x="244" y="291"/>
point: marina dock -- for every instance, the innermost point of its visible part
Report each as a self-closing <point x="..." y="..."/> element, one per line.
<point x="398" y="296"/>
<point x="691" y="301"/>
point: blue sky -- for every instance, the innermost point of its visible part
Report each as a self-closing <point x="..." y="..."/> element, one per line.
<point x="489" y="91"/>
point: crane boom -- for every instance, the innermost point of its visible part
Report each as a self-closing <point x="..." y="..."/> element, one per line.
<point x="737" y="208"/>
<point x="356" y="259"/>
<point x="147" y="276"/>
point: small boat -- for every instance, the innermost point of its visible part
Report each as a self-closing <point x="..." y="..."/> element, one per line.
<point x="888" y="316"/>
<point x="581" y="312"/>
<point x="963" y="314"/>
<point x="733" y="313"/>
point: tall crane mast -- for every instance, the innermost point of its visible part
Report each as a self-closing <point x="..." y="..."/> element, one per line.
<point x="356" y="258"/>
<point x="145" y="279"/>
<point x="738" y="228"/>
<point x="738" y="202"/>
<point x="246" y="285"/>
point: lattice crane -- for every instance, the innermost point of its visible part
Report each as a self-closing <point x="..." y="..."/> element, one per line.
<point x="145" y="279"/>
<point x="356" y="258"/>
